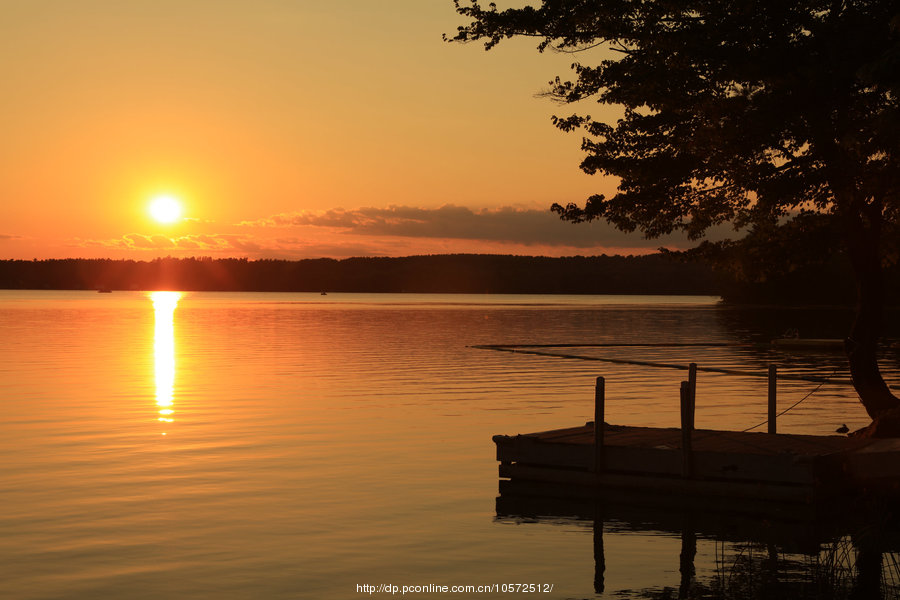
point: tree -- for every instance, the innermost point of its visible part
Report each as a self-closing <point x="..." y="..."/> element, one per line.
<point x="753" y="113"/>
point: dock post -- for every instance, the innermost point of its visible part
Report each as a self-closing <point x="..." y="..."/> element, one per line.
<point x="599" y="555"/>
<point x="692" y="383"/>
<point x="599" y="416"/>
<point x="686" y="561"/>
<point x="687" y="426"/>
<point x="773" y="395"/>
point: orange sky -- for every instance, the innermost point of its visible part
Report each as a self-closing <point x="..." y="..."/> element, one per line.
<point x="287" y="129"/>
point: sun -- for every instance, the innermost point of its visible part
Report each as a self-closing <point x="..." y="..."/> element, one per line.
<point x="165" y="208"/>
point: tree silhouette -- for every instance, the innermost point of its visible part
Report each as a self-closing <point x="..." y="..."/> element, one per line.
<point x="749" y="113"/>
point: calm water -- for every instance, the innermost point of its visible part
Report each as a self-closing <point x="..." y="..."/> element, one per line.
<point x="213" y="445"/>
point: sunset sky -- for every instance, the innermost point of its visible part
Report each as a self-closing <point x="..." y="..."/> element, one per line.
<point x="285" y="130"/>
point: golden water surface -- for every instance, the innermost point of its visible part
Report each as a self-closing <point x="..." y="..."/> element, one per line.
<point x="213" y="445"/>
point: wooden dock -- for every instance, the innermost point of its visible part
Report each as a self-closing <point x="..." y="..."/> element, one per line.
<point x="670" y="463"/>
<point x="778" y="467"/>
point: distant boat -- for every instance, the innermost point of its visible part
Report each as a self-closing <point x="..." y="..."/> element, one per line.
<point x="809" y="344"/>
<point x="324" y="294"/>
<point x="104" y="290"/>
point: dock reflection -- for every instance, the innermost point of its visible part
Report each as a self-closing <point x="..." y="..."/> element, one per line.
<point x="164" y="304"/>
<point x="767" y="551"/>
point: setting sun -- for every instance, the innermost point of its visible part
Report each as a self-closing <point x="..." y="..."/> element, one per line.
<point x="165" y="209"/>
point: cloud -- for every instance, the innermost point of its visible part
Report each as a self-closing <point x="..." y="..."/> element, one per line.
<point x="5" y="236"/>
<point x="398" y="231"/>
<point x="238" y="242"/>
<point x="206" y="243"/>
<point x="506" y="225"/>
<point x="136" y="240"/>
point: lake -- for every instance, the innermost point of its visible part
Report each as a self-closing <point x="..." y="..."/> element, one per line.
<point x="262" y="445"/>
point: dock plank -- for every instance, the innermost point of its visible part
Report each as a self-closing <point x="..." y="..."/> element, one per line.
<point x="707" y="439"/>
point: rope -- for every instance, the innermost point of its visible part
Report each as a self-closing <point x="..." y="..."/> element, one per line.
<point x="817" y="388"/>
<point x="617" y="345"/>
<point x="522" y="349"/>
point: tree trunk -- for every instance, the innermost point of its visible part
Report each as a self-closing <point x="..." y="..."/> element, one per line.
<point x="862" y="349"/>
<point x="862" y="345"/>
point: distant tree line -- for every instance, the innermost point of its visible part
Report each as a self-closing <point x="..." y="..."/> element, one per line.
<point x="460" y="273"/>
<point x="457" y="273"/>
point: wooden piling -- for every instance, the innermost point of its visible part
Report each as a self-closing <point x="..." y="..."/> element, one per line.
<point x="692" y="387"/>
<point x="773" y="394"/>
<point x="599" y="555"/>
<point x="687" y="427"/>
<point x="599" y="417"/>
<point x="686" y="561"/>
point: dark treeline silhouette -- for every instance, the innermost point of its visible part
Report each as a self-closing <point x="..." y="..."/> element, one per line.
<point x="461" y="273"/>
<point x="826" y="283"/>
<point x="823" y="284"/>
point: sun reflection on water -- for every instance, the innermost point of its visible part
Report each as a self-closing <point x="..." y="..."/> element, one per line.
<point x="164" y="304"/>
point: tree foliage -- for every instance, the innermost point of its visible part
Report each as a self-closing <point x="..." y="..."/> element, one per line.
<point x="735" y="111"/>
<point x="749" y="113"/>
